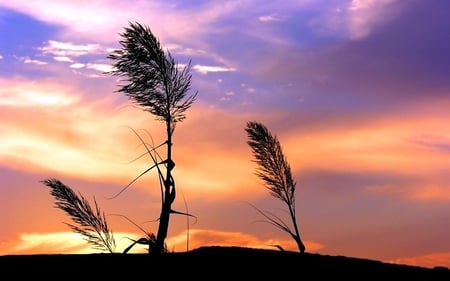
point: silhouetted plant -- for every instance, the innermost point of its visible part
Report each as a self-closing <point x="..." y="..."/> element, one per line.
<point x="274" y="170"/>
<point x="150" y="238"/>
<point x="91" y="222"/>
<point x="156" y="83"/>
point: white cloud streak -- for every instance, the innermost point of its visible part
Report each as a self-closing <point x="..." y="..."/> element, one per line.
<point x="28" y="60"/>
<point x="68" y="49"/>
<point x="205" y="69"/>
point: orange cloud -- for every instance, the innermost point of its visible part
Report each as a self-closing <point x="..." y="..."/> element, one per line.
<point x="386" y="147"/>
<point x="91" y="140"/>
<point x="64" y="242"/>
<point x="74" y="243"/>
<point x="410" y="146"/>
<point x="427" y="191"/>
<point x="196" y="238"/>
<point x="94" y="140"/>
<point x="79" y="141"/>
<point x="32" y="93"/>
<point x="46" y="243"/>
<point x="429" y="260"/>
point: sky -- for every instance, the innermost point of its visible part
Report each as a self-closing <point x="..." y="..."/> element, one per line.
<point x="357" y="92"/>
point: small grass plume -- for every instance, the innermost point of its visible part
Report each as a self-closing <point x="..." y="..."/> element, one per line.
<point x="275" y="171"/>
<point x="91" y="223"/>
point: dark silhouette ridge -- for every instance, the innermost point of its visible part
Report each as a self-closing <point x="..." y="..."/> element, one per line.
<point x="214" y="263"/>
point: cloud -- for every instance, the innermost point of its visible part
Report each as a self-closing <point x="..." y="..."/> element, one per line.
<point x="354" y="19"/>
<point x="228" y="96"/>
<point x="196" y="238"/>
<point x="45" y="134"/>
<point x="62" y="59"/>
<point x="32" y="93"/>
<point x="80" y="18"/>
<point x="194" y="30"/>
<point x="28" y="60"/>
<point x="83" y="141"/>
<point x="101" y="19"/>
<point x="418" y="191"/>
<point x="77" y="65"/>
<point x="101" y="67"/>
<point x="69" y="49"/>
<point x="386" y="65"/>
<point x="205" y="69"/>
<point x="365" y="14"/>
<point x="430" y="191"/>
<point x="46" y="243"/>
<point x="270" y="18"/>
<point x="74" y="243"/>
<point x="70" y="145"/>
<point x="62" y="242"/>
<point x="66" y="52"/>
<point x="429" y="260"/>
<point x="406" y="150"/>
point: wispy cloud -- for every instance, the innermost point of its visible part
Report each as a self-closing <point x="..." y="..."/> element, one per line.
<point x="420" y="190"/>
<point x="62" y="242"/>
<point x="68" y="141"/>
<point x="429" y="260"/>
<point x="77" y="65"/>
<point x="205" y="69"/>
<point x="196" y="238"/>
<point x="365" y="14"/>
<point x="62" y="59"/>
<point x="74" y="243"/>
<point x="103" y="18"/>
<point x="68" y="49"/>
<point x="71" y="53"/>
<point x="101" y="67"/>
<point x="270" y="18"/>
<point x="49" y="243"/>
<point x="28" y="60"/>
<point x="355" y="19"/>
<point x="31" y="94"/>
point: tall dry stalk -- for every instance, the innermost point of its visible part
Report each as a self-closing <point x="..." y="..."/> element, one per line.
<point x="155" y="82"/>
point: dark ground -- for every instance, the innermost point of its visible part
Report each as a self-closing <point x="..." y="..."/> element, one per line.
<point x="211" y="263"/>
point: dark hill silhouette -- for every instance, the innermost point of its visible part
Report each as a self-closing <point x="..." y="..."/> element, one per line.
<point x="212" y="263"/>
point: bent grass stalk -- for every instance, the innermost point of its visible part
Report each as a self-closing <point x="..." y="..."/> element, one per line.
<point x="92" y="224"/>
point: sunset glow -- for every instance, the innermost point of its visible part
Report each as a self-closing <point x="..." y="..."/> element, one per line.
<point x="357" y="92"/>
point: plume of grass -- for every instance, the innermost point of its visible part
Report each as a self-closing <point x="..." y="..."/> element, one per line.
<point x="153" y="80"/>
<point x="89" y="222"/>
<point x="275" y="172"/>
